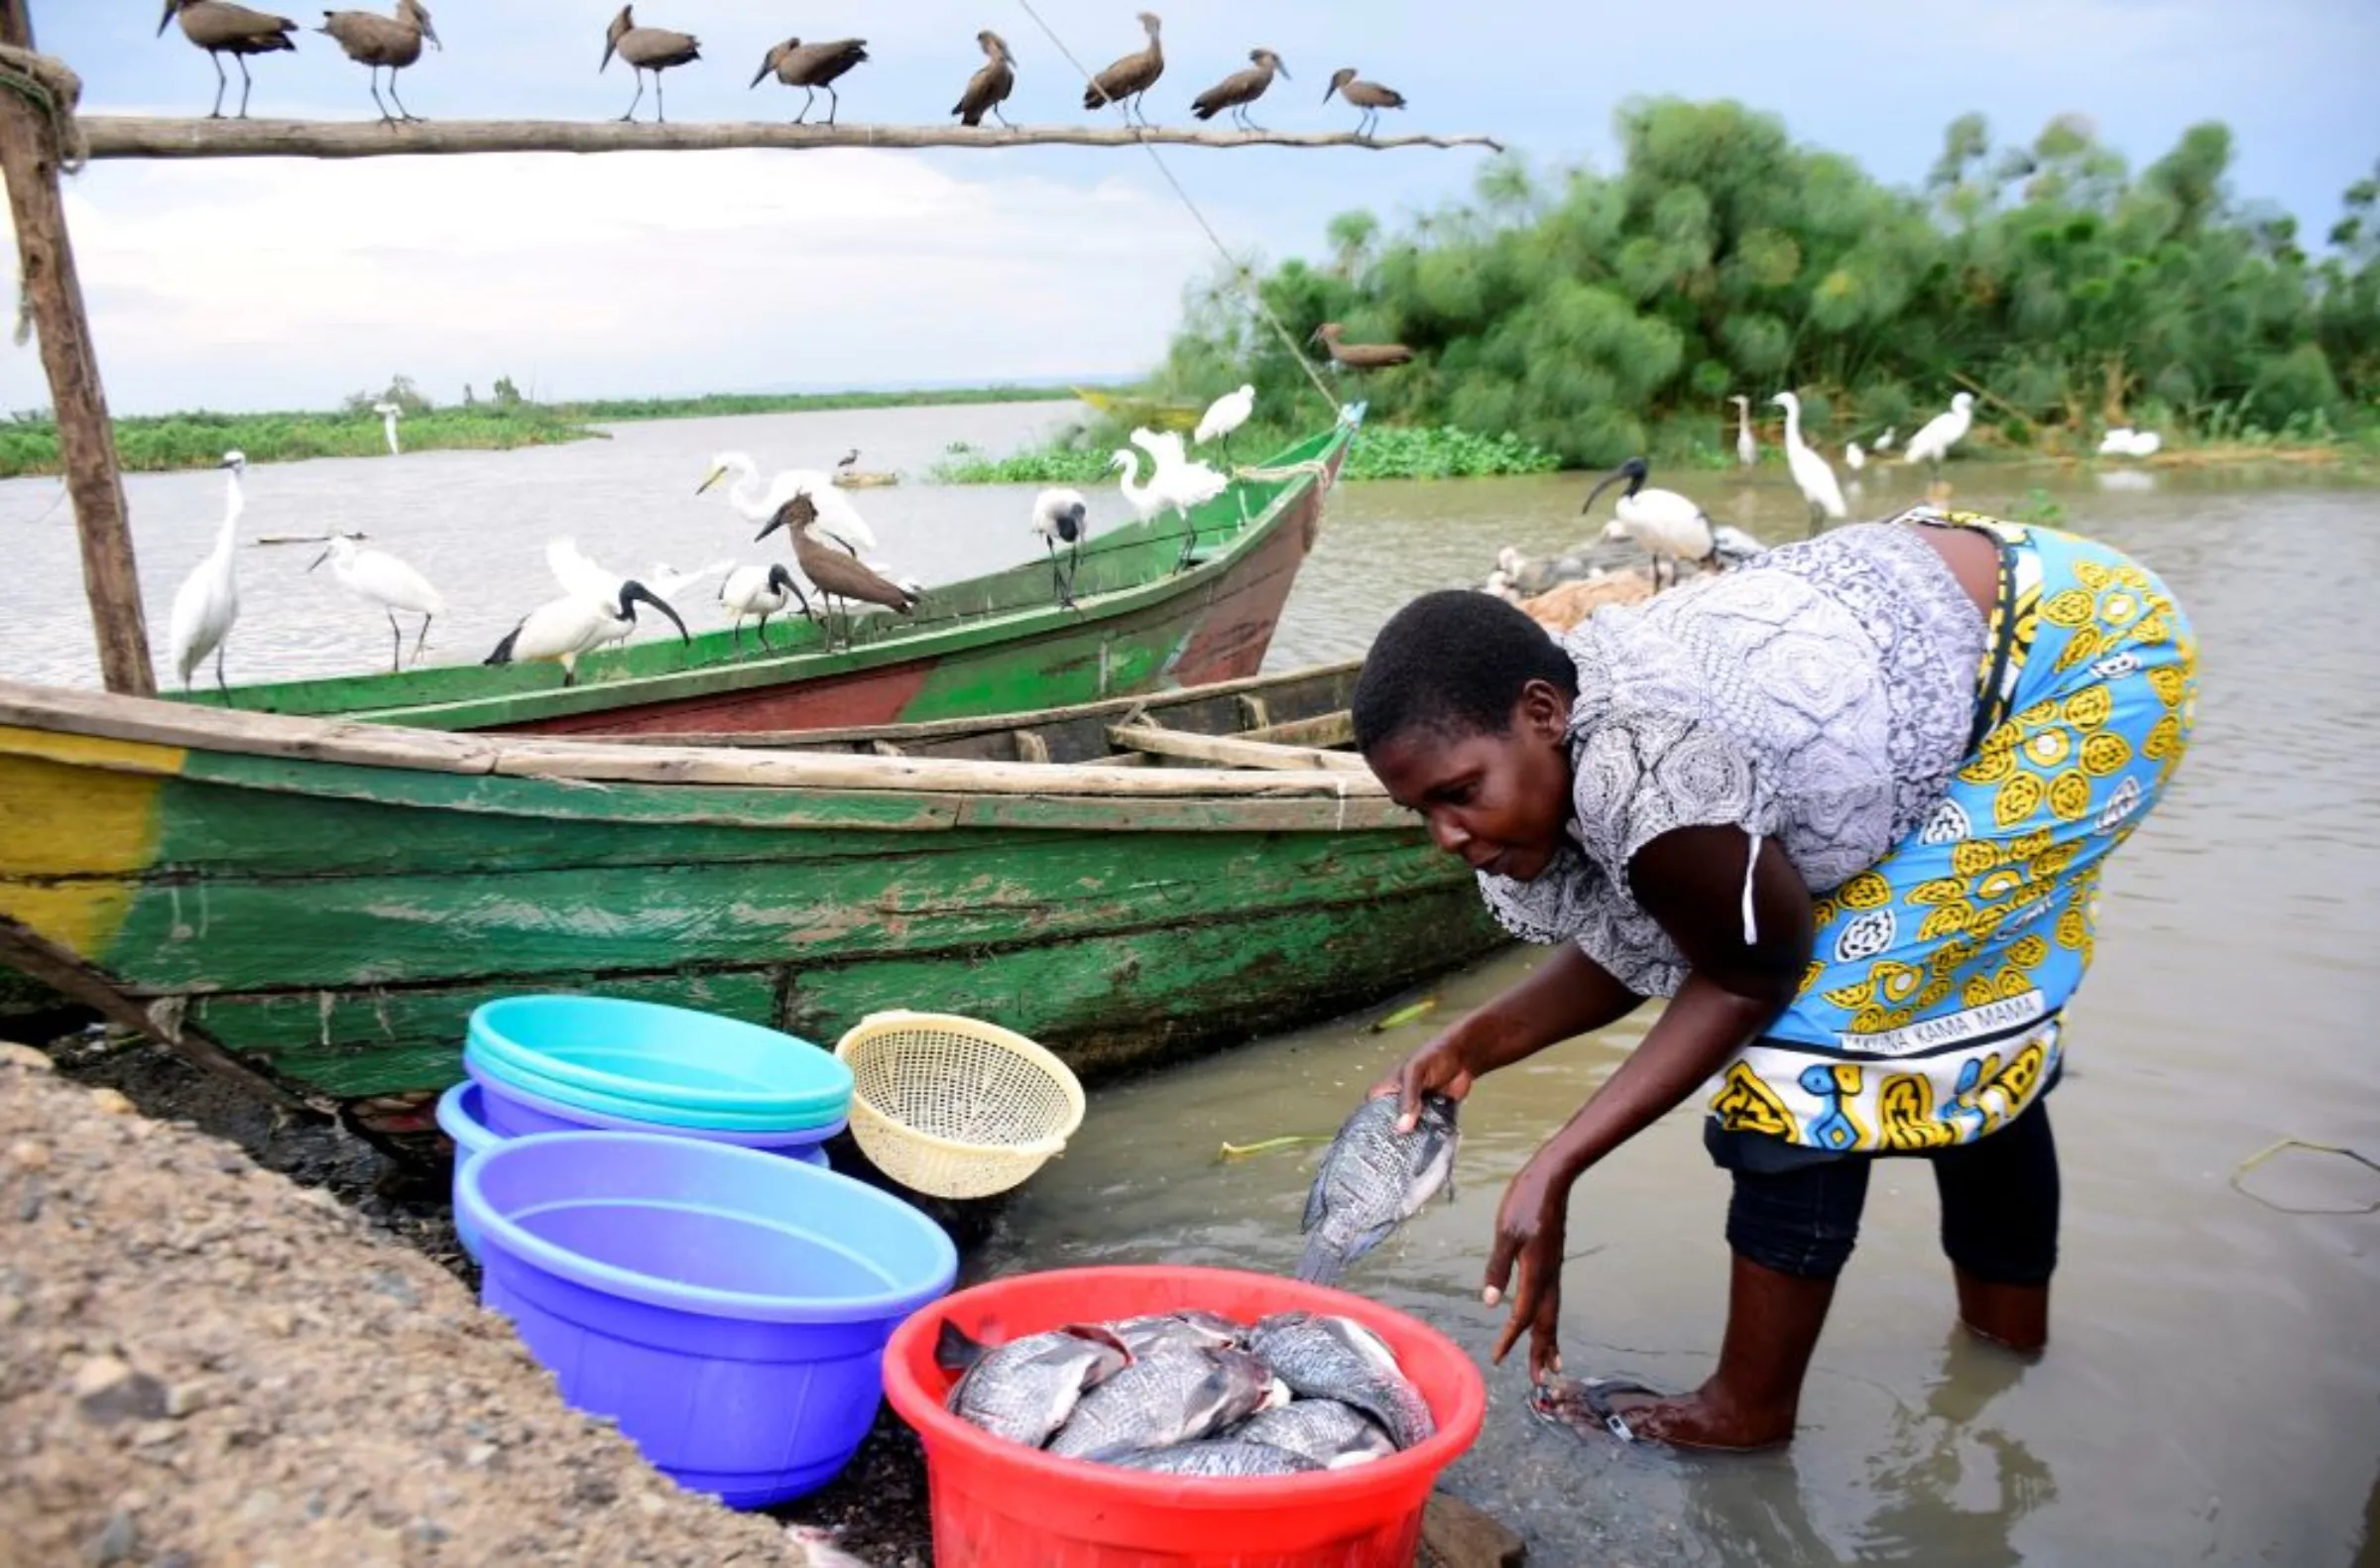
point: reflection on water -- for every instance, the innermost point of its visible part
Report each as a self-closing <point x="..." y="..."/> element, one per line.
<point x="2212" y="1390"/>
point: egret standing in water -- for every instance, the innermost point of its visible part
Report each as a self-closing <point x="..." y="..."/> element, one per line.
<point x="1811" y="475"/>
<point x="1223" y="415"/>
<point x="387" y="412"/>
<point x="1934" y="440"/>
<point x="1062" y="517"/>
<point x="209" y="600"/>
<point x="380" y="578"/>
<point x="760" y="591"/>
<point x="1884" y="441"/>
<point x="1748" y="451"/>
<point x="1664" y="523"/>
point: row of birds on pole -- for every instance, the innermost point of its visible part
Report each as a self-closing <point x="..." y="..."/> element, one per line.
<point x="394" y="41"/>
<point x="597" y="606"/>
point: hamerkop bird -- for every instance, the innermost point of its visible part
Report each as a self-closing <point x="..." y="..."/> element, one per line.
<point x="1370" y="96"/>
<point x="654" y="48"/>
<point x="1240" y="88"/>
<point x="373" y="40"/>
<point x="232" y="29"/>
<point x="1129" y="76"/>
<point x="989" y="87"/>
<point x="1358" y="356"/>
<point x="833" y="573"/>
<point x="811" y="67"/>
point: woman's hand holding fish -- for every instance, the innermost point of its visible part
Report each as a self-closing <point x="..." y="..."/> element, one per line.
<point x="1530" y="1224"/>
<point x="1440" y="1067"/>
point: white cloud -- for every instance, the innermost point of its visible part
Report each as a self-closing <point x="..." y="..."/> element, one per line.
<point x="272" y="284"/>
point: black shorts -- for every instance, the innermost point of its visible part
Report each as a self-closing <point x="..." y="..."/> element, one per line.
<point x="1999" y="1207"/>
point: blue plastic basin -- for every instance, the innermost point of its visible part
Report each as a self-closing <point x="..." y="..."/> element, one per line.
<point x="729" y="1308"/>
<point x="509" y="1111"/>
<point x="495" y="1070"/>
<point x="663" y="1057"/>
<point x="459" y="1118"/>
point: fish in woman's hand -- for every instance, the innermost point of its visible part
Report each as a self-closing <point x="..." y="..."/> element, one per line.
<point x="1220" y="1456"/>
<point x="1331" y="1434"/>
<point x="1337" y="1358"/>
<point x="1372" y="1179"/>
<point x="1171" y="1396"/>
<point x="1026" y="1389"/>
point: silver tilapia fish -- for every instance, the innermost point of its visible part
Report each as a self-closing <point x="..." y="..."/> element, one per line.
<point x="1171" y="1396"/>
<point x="1189" y="1329"/>
<point x="1372" y="1179"/>
<point x="1325" y="1431"/>
<point x="1337" y="1358"/>
<point x="1220" y="1455"/>
<point x="1025" y="1389"/>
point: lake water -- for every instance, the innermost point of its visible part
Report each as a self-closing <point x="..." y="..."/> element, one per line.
<point x="2212" y="1390"/>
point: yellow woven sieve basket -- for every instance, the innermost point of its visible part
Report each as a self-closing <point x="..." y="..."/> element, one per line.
<point x="955" y="1108"/>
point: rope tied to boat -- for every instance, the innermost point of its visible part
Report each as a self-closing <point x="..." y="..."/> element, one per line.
<point x="51" y="86"/>
<point x="1240" y="271"/>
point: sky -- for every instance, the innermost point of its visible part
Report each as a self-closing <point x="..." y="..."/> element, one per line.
<point x="256" y="284"/>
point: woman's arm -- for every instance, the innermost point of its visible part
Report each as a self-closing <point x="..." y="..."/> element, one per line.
<point x="1568" y="995"/>
<point x="1691" y="881"/>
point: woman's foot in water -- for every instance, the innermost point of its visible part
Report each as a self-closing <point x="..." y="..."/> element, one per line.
<point x="1708" y="1419"/>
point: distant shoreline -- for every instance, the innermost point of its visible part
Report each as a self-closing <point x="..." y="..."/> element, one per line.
<point x="164" y="442"/>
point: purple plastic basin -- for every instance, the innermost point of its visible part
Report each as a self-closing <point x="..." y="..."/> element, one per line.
<point x="509" y="1111"/>
<point x="728" y="1308"/>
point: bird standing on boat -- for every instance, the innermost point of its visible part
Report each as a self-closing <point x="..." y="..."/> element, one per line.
<point x="811" y="67"/>
<point x="1240" y="89"/>
<point x="1748" y="451"/>
<point x="209" y="600"/>
<point x="1358" y="356"/>
<point x="1062" y="517"/>
<point x="1223" y="415"/>
<point x="834" y="575"/>
<point x="1178" y="483"/>
<point x="1368" y="96"/>
<point x="574" y="624"/>
<point x="373" y="40"/>
<point x="654" y="48"/>
<point x="1934" y="438"/>
<point x="1129" y="76"/>
<point x="387" y="412"/>
<point x="383" y="579"/>
<point x="841" y="521"/>
<point x="760" y="591"/>
<point x="992" y="83"/>
<point x="1663" y="523"/>
<point x="1810" y="474"/>
<point x="233" y="30"/>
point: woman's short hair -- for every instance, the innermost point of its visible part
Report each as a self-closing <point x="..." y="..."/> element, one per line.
<point x="1454" y="662"/>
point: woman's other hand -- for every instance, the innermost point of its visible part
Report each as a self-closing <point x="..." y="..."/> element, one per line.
<point x="1530" y="1224"/>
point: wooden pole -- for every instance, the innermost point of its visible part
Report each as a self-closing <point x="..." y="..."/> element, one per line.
<point x="53" y="298"/>
<point x="132" y="136"/>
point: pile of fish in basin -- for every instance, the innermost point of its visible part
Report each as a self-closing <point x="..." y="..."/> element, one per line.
<point x="1196" y="1393"/>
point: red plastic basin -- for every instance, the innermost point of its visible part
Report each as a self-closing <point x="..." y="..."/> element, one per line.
<point x="1002" y="1505"/>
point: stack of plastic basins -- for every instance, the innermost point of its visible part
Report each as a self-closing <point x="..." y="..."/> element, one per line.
<point x="571" y="1064"/>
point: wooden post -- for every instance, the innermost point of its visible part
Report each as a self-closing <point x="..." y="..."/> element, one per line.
<point x="29" y="154"/>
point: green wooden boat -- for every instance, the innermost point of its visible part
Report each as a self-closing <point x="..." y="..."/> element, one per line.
<point x="1000" y="644"/>
<point x="317" y="905"/>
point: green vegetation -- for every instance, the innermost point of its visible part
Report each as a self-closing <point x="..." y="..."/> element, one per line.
<point x="149" y="443"/>
<point x="1595" y="316"/>
<point x="1385" y="451"/>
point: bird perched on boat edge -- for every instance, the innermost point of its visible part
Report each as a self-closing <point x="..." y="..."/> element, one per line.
<point x="1062" y="517"/>
<point x="378" y="577"/>
<point x="208" y="601"/>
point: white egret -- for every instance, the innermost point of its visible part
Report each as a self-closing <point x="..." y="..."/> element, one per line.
<point x="839" y="520"/>
<point x="1748" y="451"/>
<point x="1663" y="523"/>
<point x="1179" y="483"/>
<point x="209" y="600"/>
<point x="1853" y="457"/>
<point x="380" y="578"/>
<point x="1884" y="441"/>
<point x="1934" y="438"/>
<point x="1141" y="497"/>
<point x="668" y="581"/>
<point x="2124" y="441"/>
<point x="2146" y="442"/>
<point x="1811" y="475"/>
<point x="1223" y="415"/>
<point x="563" y="629"/>
<point x="760" y="591"/>
<point x="387" y="412"/>
<point x="1062" y="517"/>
